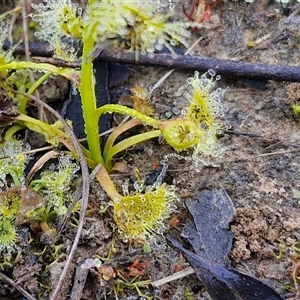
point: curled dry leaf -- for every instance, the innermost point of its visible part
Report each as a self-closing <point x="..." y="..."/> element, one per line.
<point x="211" y="239"/>
<point x="223" y="283"/>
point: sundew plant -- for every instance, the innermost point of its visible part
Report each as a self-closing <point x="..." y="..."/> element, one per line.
<point x="142" y="27"/>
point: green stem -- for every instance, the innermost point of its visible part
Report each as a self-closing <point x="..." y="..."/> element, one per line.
<point x="38" y="83"/>
<point x="50" y="133"/>
<point x="127" y="143"/>
<point x="11" y="131"/>
<point x="88" y="100"/>
<point x="70" y="74"/>
<point x="117" y="132"/>
<point x="15" y="178"/>
<point x="23" y="102"/>
<point x="116" y="108"/>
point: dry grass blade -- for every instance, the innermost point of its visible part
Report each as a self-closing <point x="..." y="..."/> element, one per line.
<point x="85" y="191"/>
<point x="27" y="51"/>
<point x="39" y="164"/>
<point x="16" y="286"/>
<point x="262" y="155"/>
<point x="183" y="273"/>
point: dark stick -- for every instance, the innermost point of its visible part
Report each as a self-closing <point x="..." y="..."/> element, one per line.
<point x="230" y="68"/>
<point x="37" y="49"/>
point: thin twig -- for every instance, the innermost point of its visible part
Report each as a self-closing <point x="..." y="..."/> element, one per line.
<point x="261" y="155"/>
<point x="275" y="153"/>
<point x="262" y="39"/>
<point x="14" y="16"/>
<point x="228" y="68"/>
<point x="16" y="286"/>
<point x="25" y="30"/>
<point x="27" y="53"/>
<point x="297" y="9"/>
<point x="224" y="67"/>
<point x="175" y="276"/>
<point x="85" y="193"/>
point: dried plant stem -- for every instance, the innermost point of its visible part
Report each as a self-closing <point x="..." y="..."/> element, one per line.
<point x="16" y="286"/>
<point x="27" y="52"/>
<point x="261" y="155"/>
<point x="225" y="67"/>
<point x="175" y="276"/>
<point x="228" y="68"/>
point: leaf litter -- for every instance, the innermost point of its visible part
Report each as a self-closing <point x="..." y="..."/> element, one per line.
<point x="211" y="239"/>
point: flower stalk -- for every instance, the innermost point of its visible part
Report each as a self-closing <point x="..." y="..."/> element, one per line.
<point x="88" y="101"/>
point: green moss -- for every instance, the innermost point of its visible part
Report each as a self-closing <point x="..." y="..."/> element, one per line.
<point x="12" y="162"/>
<point x="8" y="234"/>
<point x="296" y="111"/>
<point x="9" y="210"/>
<point x="54" y="185"/>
